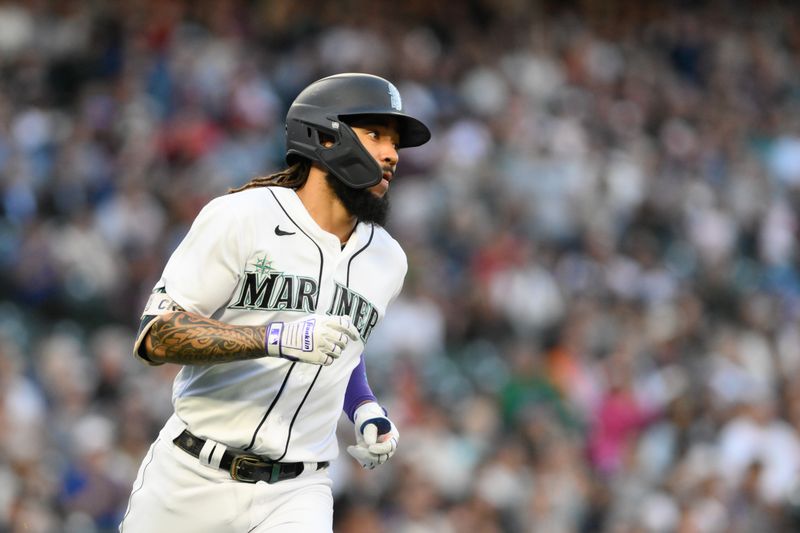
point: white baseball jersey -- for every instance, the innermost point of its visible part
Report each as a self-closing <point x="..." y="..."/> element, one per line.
<point x="255" y="257"/>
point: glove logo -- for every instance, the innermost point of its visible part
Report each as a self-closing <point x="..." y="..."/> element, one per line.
<point x="308" y="336"/>
<point x="274" y="335"/>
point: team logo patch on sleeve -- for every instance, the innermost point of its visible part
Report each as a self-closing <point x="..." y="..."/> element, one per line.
<point x="158" y="304"/>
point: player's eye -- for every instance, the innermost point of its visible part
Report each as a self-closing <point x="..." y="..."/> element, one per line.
<point x="377" y="136"/>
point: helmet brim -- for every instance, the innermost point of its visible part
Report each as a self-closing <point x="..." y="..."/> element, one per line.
<point x="412" y="132"/>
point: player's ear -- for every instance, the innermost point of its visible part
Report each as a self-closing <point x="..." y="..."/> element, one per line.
<point x="326" y="140"/>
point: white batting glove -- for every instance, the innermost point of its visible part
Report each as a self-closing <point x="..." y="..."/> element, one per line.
<point x="376" y="436"/>
<point x="318" y="339"/>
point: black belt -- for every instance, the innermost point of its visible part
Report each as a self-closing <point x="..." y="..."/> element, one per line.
<point x="245" y="467"/>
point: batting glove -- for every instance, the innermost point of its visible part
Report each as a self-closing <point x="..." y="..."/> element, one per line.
<point x="376" y="436"/>
<point x="318" y="339"/>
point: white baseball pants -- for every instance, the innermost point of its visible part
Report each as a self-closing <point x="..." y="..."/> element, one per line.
<point x="175" y="492"/>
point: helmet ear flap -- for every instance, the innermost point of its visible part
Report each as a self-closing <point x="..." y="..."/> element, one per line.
<point x="305" y="138"/>
<point x="349" y="161"/>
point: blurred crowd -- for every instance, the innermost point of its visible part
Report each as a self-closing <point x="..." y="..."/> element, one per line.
<point x="599" y="330"/>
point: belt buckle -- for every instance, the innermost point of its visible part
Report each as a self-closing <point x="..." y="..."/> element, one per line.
<point x="255" y="462"/>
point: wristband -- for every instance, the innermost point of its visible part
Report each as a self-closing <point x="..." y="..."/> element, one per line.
<point x="272" y="339"/>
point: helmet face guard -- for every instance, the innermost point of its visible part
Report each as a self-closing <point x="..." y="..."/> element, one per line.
<point x="326" y="106"/>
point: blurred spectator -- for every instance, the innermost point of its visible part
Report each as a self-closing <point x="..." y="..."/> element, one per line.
<point x="599" y="330"/>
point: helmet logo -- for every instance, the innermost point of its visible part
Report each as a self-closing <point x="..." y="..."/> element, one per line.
<point x="394" y="97"/>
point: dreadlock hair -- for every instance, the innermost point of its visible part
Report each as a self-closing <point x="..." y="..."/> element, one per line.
<point x="293" y="177"/>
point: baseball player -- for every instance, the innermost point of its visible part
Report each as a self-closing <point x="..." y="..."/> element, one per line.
<point x="268" y="303"/>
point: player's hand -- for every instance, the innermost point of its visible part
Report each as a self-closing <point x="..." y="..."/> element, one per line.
<point x="376" y="436"/>
<point x="317" y="339"/>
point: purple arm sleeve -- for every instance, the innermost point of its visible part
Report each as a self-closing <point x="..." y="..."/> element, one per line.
<point x="358" y="390"/>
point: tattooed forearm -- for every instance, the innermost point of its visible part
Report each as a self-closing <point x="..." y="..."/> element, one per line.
<point x="190" y="339"/>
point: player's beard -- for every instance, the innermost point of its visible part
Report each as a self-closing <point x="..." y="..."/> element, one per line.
<point x="361" y="203"/>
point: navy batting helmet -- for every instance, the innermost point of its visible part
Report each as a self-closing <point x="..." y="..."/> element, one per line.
<point x="327" y="105"/>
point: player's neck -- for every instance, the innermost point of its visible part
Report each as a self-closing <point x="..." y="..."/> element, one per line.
<point x="325" y="207"/>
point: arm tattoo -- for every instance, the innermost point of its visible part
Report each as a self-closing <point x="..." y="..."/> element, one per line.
<point x="190" y="339"/>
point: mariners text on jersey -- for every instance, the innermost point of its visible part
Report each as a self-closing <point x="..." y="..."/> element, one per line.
<point x="277" y="291"/>
<point x="348" y="302"/>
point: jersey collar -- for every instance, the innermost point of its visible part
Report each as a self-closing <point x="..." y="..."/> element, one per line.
<point x="300" y="216"/>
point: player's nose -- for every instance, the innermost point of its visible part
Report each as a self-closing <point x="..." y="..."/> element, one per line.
<point x="389" y="154"/>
